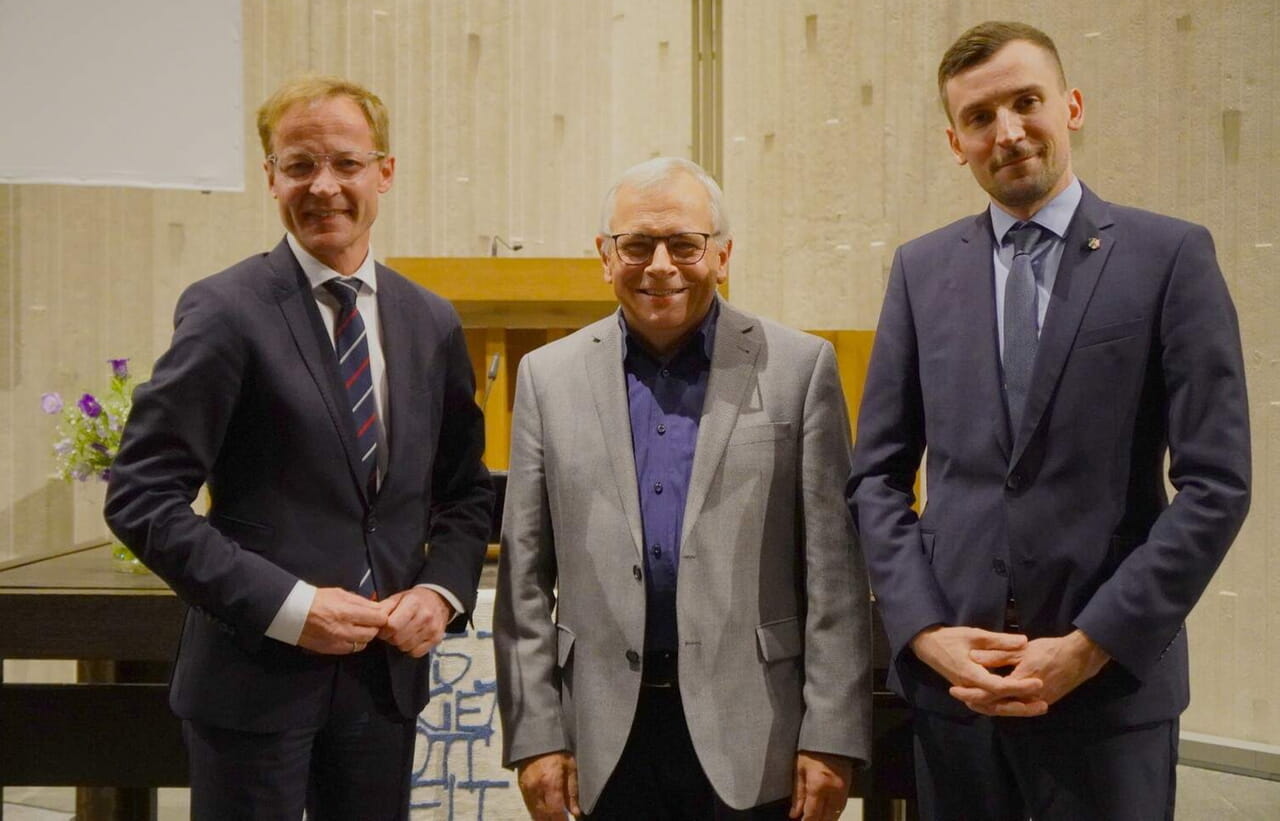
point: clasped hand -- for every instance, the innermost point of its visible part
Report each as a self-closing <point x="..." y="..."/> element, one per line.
<point x="1043" y="670"/>
<point x="340" y="622"/>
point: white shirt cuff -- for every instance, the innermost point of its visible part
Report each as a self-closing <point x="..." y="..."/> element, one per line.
<point x="292" y="615"/>
<point x="447" y="596"/>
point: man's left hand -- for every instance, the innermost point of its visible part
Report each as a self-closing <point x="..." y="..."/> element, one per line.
<point x="821" y="786"/>
<point x="1062" y="664"/>
<point x="416" y="619"/>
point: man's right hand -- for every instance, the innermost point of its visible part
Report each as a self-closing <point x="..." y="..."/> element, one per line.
<point x="947" y="650"/>
<point x="549" y="784"/>
<point x="340" y="622"/>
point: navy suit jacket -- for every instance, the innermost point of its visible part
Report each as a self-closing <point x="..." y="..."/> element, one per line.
<point x="1139" y="357"/>
<point x="248" y="399"/>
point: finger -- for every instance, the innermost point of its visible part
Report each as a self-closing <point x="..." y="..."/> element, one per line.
<point x="1009" y="686"/>
<point x="990" y="640"/>
<point x="996" y="658"/>
<point x="797" y="793"/>
<point x="571" y="787"/>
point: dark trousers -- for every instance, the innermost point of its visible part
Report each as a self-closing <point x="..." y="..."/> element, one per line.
<point x="996" y="770"/>
<point x="355" y="764"/>
<point x="659" y="778"/>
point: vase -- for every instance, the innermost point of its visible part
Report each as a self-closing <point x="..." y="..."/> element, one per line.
<point x="123" y="560"/>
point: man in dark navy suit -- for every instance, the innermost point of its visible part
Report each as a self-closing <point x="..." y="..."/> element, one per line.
<point x="328" y="404"/>
<point x="1049" y="353"/>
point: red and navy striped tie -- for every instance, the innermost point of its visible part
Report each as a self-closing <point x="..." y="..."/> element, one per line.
<point x="351" y="343"/>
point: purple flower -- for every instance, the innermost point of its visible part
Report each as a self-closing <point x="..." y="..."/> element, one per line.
<point x="120" y="368"/>
<point x="105" y="475"/>
<point x="51" y="402"/>
<point x="89" y="406"/>
<point x="100" y="448"/>
<point x="63" y="447"/>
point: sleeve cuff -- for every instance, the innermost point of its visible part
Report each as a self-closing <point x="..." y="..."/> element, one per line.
<point x="453" y="600"/>
<point x="292" y="615"/>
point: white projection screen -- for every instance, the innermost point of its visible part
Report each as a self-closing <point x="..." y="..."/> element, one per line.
<point x="144" y="93"/>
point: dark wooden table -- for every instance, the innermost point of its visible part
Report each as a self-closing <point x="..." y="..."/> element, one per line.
<point x="111" y="733"/>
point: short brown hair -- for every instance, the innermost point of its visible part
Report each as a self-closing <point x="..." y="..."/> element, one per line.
<point x="313" y="88"/>
<point x="980" y="43"/>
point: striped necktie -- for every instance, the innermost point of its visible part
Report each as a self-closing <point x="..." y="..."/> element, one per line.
<point x="1021" y="319"/>
<point x="351" y="342"/>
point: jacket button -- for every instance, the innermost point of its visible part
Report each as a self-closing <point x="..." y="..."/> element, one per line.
<point x="635" y="571"/>
<point x="1015" y="482"/>
<point x="1000" y="567"/>
<point x="633" y="657"/>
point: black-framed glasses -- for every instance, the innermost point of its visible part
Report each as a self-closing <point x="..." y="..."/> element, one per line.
<point x="684" y="248"/>
<point x="347" y="166"/>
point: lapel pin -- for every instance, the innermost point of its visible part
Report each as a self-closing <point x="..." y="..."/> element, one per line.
<point x="1094" y="243"/>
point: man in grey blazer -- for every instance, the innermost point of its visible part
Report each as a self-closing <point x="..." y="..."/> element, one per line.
<point x="1049" y="353"/>
<point x="681" y="622"/>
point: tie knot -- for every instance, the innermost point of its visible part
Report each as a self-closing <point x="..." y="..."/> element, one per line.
<point x="345" y="289"/>
<point x="1024" y="235"/>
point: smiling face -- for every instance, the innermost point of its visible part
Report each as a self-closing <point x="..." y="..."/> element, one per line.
<point x="664" y="302"/>
<point x="1011" y="120"/>
<point x="331" y="218"/>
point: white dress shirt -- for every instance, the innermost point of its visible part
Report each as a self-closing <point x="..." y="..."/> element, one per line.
<point x="292" y="615"/>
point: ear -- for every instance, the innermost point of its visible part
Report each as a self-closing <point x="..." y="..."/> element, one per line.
<point x="271" y="178"/>
<point x="954" y="142"/>
<point x="1075" y="109"/>
<point x="386" y="173"/>
<point x="722" y="255"/>
<point x="601" y="239"/>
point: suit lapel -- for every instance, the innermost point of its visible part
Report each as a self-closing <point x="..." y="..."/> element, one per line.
<point x="609" y="390"/>
<point x="974" y="302"/>
<point x="396" y="327"/>
<point x="733" y="366"/>
<point x="293" y="295"/>
<point x="1078" y="273"/>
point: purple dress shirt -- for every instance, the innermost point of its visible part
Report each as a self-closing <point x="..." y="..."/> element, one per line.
<point x="665" y="401"/>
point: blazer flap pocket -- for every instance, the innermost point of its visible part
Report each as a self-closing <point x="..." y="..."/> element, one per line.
<point x="1108" y="333"/>
<point x="564" y="645"/>
<point x="780" y="639"/>
<point x="249" y="535"/>
<point x="766" y="432"/>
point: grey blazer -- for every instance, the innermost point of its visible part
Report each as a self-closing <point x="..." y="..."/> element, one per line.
<point x="772" y="595"/>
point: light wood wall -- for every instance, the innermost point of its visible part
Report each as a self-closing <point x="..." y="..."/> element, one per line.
<point x="511" y="117"/>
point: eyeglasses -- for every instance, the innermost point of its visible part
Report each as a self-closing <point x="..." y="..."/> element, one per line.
<point x="347" y="166"/>
<point x="685" y="248"/>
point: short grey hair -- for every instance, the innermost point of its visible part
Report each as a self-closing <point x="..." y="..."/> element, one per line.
<point x="654" y="172"/>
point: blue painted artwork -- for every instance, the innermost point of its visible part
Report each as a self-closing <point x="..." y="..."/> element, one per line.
<point x="457" y="766"/>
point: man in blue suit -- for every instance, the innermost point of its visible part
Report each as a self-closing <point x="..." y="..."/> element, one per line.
<point x="328" y="404"/>
<point x="1047" y="354"/>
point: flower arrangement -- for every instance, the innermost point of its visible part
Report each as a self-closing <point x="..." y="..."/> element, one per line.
<point x="89" y="434"/>
<point x="88" y="439"/>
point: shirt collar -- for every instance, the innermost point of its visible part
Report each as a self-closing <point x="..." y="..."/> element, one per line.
<point x="706" y="332"/>
<point x="318" y="273"/>
<point x="1055" y="215"/>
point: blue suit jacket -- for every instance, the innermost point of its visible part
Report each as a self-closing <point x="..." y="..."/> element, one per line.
<point x="1139" y="356"/>
<point x="248" y="398"/>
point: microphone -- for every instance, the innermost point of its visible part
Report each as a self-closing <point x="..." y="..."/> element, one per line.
<point x="489" y="379"/>
<point x="493" y="245"/>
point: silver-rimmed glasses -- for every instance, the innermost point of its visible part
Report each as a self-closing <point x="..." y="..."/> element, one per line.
<point x="347" y="166"/>
<point x="684" y="248"/>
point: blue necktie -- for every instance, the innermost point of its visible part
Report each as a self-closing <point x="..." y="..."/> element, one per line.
<point x="351" y="343"/>
<point x="1021" y="325"/>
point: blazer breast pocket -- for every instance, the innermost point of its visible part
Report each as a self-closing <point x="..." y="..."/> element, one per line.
<point x="760" y="432"/>
<point x="1102" y="334"/>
